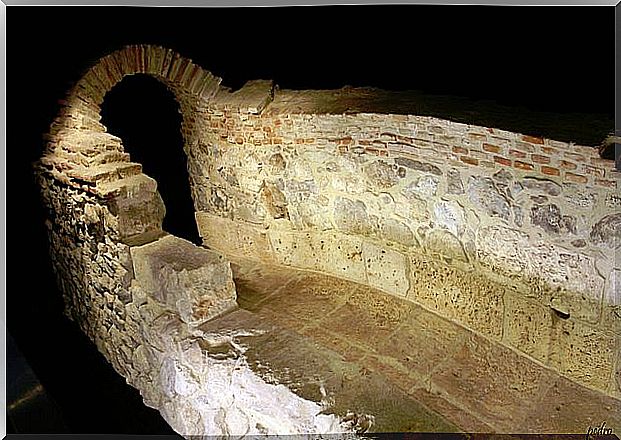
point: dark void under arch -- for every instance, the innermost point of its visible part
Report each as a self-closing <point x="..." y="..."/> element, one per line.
<point x="145" y="115"/>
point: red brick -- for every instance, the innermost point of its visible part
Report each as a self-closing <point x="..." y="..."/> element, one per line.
<point x="550" y="171"/>
<point x="523" y="165"/>
<point x="571" y="177"/>
<point x="575" y="156"/>
<point x="477" y="136"/>
<point x="516" y="153"/>
<point x="532" y="139"/>
<point x="502" y="161"/>
<point x="549" y="150"/>
<point x="606" y="183"/>
<point x="364" y="142"/>
<point x="491" y="148"/>
<point x="537" y="158"/>
<point x="593" y="171"/>
<point x="609" y="163"/>
<point x="460" y="150"/>
<point x="299" y="141"/>
<point x="524" y="147"/>
<point x="469" y="160"/>
<point x="371" y="151"/>
<point x="566" y="165"/>
<point x="346" y="141"/>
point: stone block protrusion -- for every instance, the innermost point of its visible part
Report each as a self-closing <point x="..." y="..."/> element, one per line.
<point x="138" y="207"/>
<point x="194" y="282"/>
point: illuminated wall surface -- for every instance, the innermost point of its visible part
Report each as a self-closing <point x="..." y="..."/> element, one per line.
<point x="513" y="237"/>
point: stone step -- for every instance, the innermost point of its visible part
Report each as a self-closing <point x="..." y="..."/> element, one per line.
<point x="192" y="281"/>
<point x="105" y="173"/>
<point x="127" y="186"/>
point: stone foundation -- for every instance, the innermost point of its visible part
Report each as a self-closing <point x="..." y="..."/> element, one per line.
<point x="511" y="236"/>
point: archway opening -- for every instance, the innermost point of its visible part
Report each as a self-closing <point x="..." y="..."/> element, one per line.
<point x="145" y="115"/>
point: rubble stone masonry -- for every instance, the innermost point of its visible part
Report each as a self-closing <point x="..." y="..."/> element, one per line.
<point x="512" y="236"/>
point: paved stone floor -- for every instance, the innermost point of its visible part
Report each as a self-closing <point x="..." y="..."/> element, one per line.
<point x="371" y="353"/>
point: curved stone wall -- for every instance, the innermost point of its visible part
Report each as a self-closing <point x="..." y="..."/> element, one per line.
<point x="513" y="236"/>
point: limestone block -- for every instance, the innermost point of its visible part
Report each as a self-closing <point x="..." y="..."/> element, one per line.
<point x="234" y="237"/>
<point x="443" y="243"/>
<point x="194" y="282"/>
<point x="295" y="249"/>
<point x="138" y="207"/>
<point x="386" y="268"/>
<point x="351" y="217"/>
<point x="468" y="298"/>
<point x="449" y="215"/>
<point x="380" y="175"/>
<point x="341" y="256"/>
<point x="528" y="326"/>
<point x="492" y="381"/>
<point x="607" y="231"/>
<point x="484" y="194"/>
<point x="583" y="352"/>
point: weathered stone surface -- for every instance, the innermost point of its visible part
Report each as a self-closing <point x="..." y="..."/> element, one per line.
<point x="396" y="231"/>
<point x="139" y="208"/>
<point x="273" y="186"/>
<point x="456" y="295"/>
<point x="472" y="376"/>
<point x="583" y="353"/>
<point x="545" y="186"/>
<point x="424" y="187"/>
<point x="549" y="218"/>
<point x="484" y="194"/>
<point x="445" y="244"/>
<point x="418" y="165"/>
<point x="386" y="269"/>
<point x="195" y="283"/>
<point x="528" y="325"/>
<point x="449" y="215"/>
<point x="607" y="231"/>
<point x="381" y="175"/>
<point x="454" y="183"/>
<point x="234" y="237"/>
<point x="275" y="201"/>
<point x="350" y="216"/>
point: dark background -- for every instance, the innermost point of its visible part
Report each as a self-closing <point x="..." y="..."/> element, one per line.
<point x="558" y="61"/>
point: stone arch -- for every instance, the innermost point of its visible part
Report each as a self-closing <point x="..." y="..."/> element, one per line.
<point x="81" y="153"/>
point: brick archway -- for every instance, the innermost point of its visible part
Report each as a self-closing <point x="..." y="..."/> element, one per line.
<point x="81" y="153"/>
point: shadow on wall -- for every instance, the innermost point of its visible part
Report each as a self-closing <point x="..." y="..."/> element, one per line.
<point x="145" y="115"/>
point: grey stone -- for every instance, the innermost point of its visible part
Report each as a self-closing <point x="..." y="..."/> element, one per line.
<point x="425" y="187"/>
<point x="418" y="165"/>
<point x="351" y="216"/>
<point x="542" y="185"/>
<point x="454" y="183"/>
<point x="607" y="231"/>
<point x="300" y="190"/>
<point x="539" y="200"/>
<point x="581" y="199"/>
<point x="274" y="201"/>
<point x="277" y="163"/>
<point x="381" y="174"/>
<point x="548" y="217"/>
<point x="579" y="243"/>
<point x="503" y="176"/>
<point x="484" y="194"/>
<point x="399" y="232"/>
